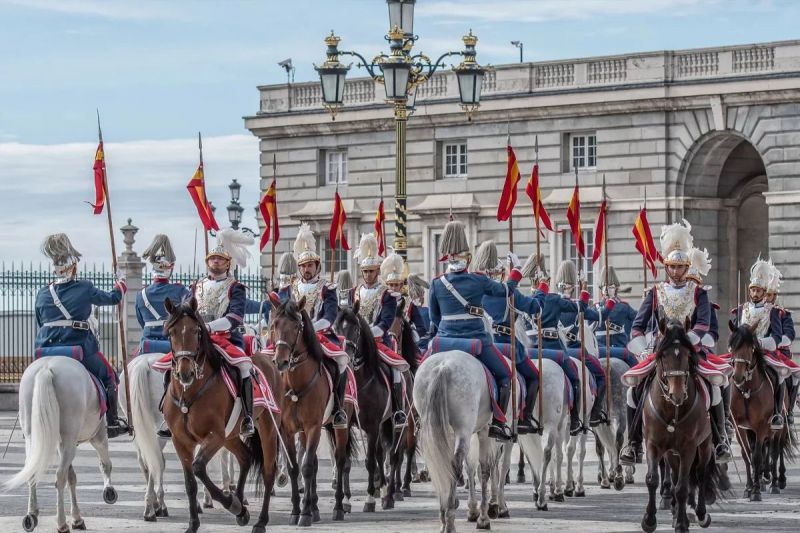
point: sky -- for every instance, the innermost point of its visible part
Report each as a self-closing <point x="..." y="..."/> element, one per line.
<point x="159" y="71"/>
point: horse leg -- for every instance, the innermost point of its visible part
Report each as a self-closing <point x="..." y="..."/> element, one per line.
<point x="293" y="467"/>
<point x="67" y="454"/>
<point x="72" y="479"/>
<point x="649" y="521"/>
<point x="341" y="438"/>
<point x="208" y="502"/>
<point x="411" y="452"/>
<point x="189" y="481"/>
<point x="683" y="467"/>
<point x="269" y="451"/>
<point x="485" y="461"/>
<point x="472" y="503"/>
<point x="758" y="463"/>
<point x="207" y="450"/>
<point x="309" y="476"/>
<point x="521" y="467"/>
<point x="579" y="490"/>
<point x="547" y="457"/>
<point x="570" y="489"/>
<point x="235" y="448"/>
<point x="782" y="467"/>
<point x="505" y="465"/>
<point x="372" y="443"/>
<point x="32" y="518"/>
<point x="602" y="473"/>
<point x="150" y="503"/>
<point x="666" y="485"/>
<point x="775" y="451"/>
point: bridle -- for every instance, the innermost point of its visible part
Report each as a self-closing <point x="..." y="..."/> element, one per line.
<point x="358" y="360"/>
<point x="661" y="377"/>
<point x="191" y="356"/>
<point x="295" y="358"/>
<point x="749" y="372"/>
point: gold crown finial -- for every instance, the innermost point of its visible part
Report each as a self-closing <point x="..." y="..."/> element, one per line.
<point x="332" y="39"/>
<point x="470" y="39"/>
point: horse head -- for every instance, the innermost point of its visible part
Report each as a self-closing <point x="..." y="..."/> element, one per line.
<point x="746" y="353"/>
<point x="675" y="361"/>
<point x="358" y="340"/>
<point x="188" y="336"/>
<point x="290" y="326"/>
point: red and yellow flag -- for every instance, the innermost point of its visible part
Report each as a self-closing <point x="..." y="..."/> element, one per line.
<point x="644" y="241"/>
<point x="99" y="179"/>
<point x="539" y="212"/>
<point x="380" y="218"/>
<point x="268" y="206"/>
<point x="509" y="197"/>
<point x="197" y="190"/>
<point x="574" y="218"/>
<point x="337" y="224"/>
<point x="599" y="233"/>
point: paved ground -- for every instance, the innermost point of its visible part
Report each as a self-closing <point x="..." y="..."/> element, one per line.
<point x="600" y="510"/>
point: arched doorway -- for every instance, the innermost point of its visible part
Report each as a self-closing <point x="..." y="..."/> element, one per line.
<point x="723" y="186"/>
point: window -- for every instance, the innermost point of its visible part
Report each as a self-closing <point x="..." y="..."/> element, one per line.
<point x="569" y="252"/>
<point x="335" y="170"/>
<point x="454" y="159"/>
<point x="583" y="150"/>
<point x="340" y="260"/>
<point x="437" y="267"/>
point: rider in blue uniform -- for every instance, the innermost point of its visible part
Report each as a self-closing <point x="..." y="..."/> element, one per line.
<point x="63" y="312"/>
<point x="566" y="281"/>
<point x="496" y="307"/>
<point x="785" y="344"/>
<point x="150" y="310"/>
<point x="455" y="306"/>
<point x="420" y="316"/>
<point x="620" y="320"/>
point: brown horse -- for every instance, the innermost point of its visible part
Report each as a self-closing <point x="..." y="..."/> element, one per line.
<point x="677" y="429"/>
<point x="752" y="405"/>
<point x="197" y="407"/>
<point x="302" y="364"/>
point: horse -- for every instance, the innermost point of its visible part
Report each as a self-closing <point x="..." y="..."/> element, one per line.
<point x="197" y="409"/>
<point x="306" y="406"/>
<point x="752" y="405"/>
<point x="59" y="408"/>
<point x="374" y="399"/>
<point x="452" y="399"/>
<point x="676" y="428"/>
<point x="575" y="485"/>
<point x="609" y="438"/>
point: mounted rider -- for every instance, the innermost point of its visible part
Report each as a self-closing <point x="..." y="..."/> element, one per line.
<point x="455" y="306"/>
<point x="620" y="319"/>
<point x="322" y="306"/>
<point x="569" y="331"/>
<point x="150" y="310"/>
<point x="785" y="346"/>
<point x="497" y="309"/>
<point x="64" y="318"/>
<point x="552" y="305"/>
<point x="396" y="277"/>
<point x="420" y="316"/>
<point x="378" y="304"/>
<point x="674" y="299"/>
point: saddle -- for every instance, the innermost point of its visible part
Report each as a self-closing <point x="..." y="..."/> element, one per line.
<point x="446" y="344"/>
<point x="73" y="352"/>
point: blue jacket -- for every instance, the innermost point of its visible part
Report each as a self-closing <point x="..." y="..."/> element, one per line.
<point x="553" y="307"/>
<point x="623" y="316"/>
<point x="253" y="307"/>
<point x="419" y="319"/>
<point x="591" y="314"/>
<point x="235" y="311"/>
<point x="157" y="293"/>
<point x="788" y="324"/>
<point x="647" y="318"/>
<point x="77" y="296"/>
<point x="496" y="306"/>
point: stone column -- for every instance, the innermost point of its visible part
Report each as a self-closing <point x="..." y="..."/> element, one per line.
<point x="132" y="267"/>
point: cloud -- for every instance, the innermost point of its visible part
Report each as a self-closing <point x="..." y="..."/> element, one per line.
<point x="44" y="189"/>
<point x="139" y="10"/>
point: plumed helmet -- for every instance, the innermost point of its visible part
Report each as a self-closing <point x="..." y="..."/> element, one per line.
<point x="775" y="277"/>
<point x="287" y="265"/>
<point x="344" y="281"/>
<point x="486" y="260"/>
<point x="613" y="280"/>
<point x="534" y="268"/>
<point x="700" y="264"/>
<point x="61" y="252"/>
<point x="567" y="275"/>
<point x="367" y="253"/>
<point x="393" y="268"/>
<point x="676" y="241"/>
<point x="232" y="245"/>
<point x="305" y="245"/>
<point x="417" y="286"/>
<point x="160" y="253"/>
<point x="760" y="274"/>
<point x="454" y="244"/>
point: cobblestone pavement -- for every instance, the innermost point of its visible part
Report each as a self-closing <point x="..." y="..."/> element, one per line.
<point x="600" y="510"/>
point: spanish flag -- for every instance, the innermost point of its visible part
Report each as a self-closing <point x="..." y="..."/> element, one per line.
<point x="574" y="218"/>
<point x="509" y="197"/>
<point x="644" y="241"/>
<point x="533" y="192"/>
<point x="337" y="224"/>
<point x="380" y="217"/>
<point x="197" y="190"/>
<point x="99" y="179"/>
<point x="268" y="206"/>
<point x="599" y="233"/>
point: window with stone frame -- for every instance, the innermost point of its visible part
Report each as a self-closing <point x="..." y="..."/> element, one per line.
<point x="341" y="260"/>
<point x="334" y="167"/>
<point x="570" y="252"/>
<point x="583" y="150"/>
<point x="453" y="157"/>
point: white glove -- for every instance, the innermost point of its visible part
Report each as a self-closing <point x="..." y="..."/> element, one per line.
<point x="637" y="345"/>
<point x="694" y="338"/>
<point x="707" y="341"/>
<point x="376" y="331"/>
<point x="785" y="342"/>
<point x="220" y="324"/>
<point x="119" y="276"/>
<point x="768" y="343"/>
<point x="322" y="324"/>
<point x="513" y="260"/>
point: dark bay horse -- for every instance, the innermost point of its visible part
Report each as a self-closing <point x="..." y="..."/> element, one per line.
<point x="197" y="407"/>
<point x="752" y="405"/>
<point x="302" y="364"/>
<point x="677" y="429"/>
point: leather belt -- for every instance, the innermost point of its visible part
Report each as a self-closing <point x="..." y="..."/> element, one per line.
<point x="81" y="325"/>
<point x="571" y="337"/>
<point x="474" y="310"/>
<point x="547" y="333"/>
<point x="154" y="324"/>
<point x="501" y="330"/>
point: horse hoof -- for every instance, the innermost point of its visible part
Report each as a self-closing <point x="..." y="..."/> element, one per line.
<point x="282" y="480"/>
<point x="763" y="487"/>
<point x="305" y="521"/>
<point x="293" y="519"/>
<point x="580" y="493"/>
<point x="619" y="483"/>
<point x="774" y="490"/>
<point x="348" y="508"/>
<point x="649" y="527"/>
<point x="369" y="507"/>
<point x="193" y="527"/>
<point x="746" y="493"/>
<point x="665" y="504"/>
<point x="147" y="518"/>
<point x="243" y="518"/>
<point x="504" y="514"/>
<point x="559" y="497"/>
<point x="110" y="495"/>
<point x="782" y="484"/>
<point x="521" y="480"/>
<point x="162" y="512"/>
<point x="65" y="529"/>
<point x="424" y="477"/>
<point x="208" y="505"/>
<point x="604" y="484"/>
<point x="567" y="492"/>
<point x="755" y="497"/>
<point x="30" y="522"/>
<point x="493" y="511"/>
<point x="315" y="515"/>
<point x="338" y="515"/>
<point x="398" y="497"/>
<point x="541" y="507"/>
<point x="259" y="529"/>
<point x="406" y="493"/>
<point x="629" y="480"/>
<point x="484" y="525"/>
<point x="705" y="522"/>
<point x="79" y="524"/>
<point x="387" y="503"/>
<point x="472" y="516"/>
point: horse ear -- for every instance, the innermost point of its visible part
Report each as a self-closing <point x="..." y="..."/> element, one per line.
<point x="687" y="324"/>
<point x="193" y="304"/>
<point x="302" y="303"/>
<point x="356" y="307"/>
<point x="169" y="306"/>
<point x="662" y="325"/>
<point x="274" y="300"/>
<point x="731" y="326"/>
<point x="401" y="306"/>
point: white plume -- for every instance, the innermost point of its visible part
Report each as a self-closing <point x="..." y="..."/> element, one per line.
<point x="701" y="260"/>
<point x="235" y="243"/>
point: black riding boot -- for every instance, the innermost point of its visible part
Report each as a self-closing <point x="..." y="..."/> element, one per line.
<point x="792" y="401"/>
<point x="722" y="451"/>
<point x="164" y="431"/>
<point x="598" y="416"/>
<point x="399" y="417"/>
<point x="630" y="453"/>
<point x="529" y="424"/>
<point x="248" y="428"/>
<point x="116" y="426"/>
<point x="498" y="430"/>
<point x="726" y="407"/>
<point x="776" y="422"/>
<point x="575" y="422"/>
<point x="339" y="416"/>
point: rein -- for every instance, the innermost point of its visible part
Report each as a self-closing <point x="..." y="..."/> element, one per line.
<point x="749" y="373"/>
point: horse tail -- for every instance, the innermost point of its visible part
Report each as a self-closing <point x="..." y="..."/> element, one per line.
<point x="788" y="444"/>
<point x="435" y="436"/>
<point x="256" y="454"/>
<point x="44" y="431"/>
<point x="145" y="435"/>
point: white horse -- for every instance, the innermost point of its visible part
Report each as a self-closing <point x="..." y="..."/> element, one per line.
<point x="609" y="438"/>
<point x="59" y="409"/>
<point x="575" y="486"/>
<point x="452" y="398"/>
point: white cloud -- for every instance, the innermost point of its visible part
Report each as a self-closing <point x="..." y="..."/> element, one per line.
<point x="44" y="189"/>
<point x="139" y="10"/>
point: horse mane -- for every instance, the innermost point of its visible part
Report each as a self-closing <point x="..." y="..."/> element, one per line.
<point x="290" y="309"/>
<point x="186" y="309"/>
<point x="745" y="336"/>
<point x="674" y="333"/>
<point x="410" y="350"/>
<point x="366" y="344"/>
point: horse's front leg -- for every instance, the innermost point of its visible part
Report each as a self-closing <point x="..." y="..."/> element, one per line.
<point x="758" y="462"/>
<point x="570" y="489"/>
<point x="208" y="449"/>
<point x="238" y="450"/>
<point x="579" y="490"/>
<point x="100" y="444"/>
<point x="309" y="476"/>
<point x="340" y="440"/>
<point x="484" y="454"/>
<point x="294" y="468"/>
<point x="681" y="488"/>
<point x="602" y="474"/>
<point x="372" y="445"/>
<point x="72" y="479"/>
<point x="649" y="521"/>
<point x="775" y="452"/>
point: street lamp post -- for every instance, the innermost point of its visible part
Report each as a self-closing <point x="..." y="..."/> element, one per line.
<point x="519" y="45"/>
<point x="401" y="75"/>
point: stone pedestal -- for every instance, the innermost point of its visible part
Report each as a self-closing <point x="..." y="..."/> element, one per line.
<point x="132" y="266"/>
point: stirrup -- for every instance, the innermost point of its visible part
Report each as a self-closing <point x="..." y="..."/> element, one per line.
<point x="628" y="455"/>
<point x="722" y="453"/>
<point x="500" y="431"/>
<point x="575" y="431"/>
<point x="776" y="422"/>
<point x="528" y="426"/>
<point x="600" y="419"/>
<point x="340" y="419"/>
<point x="164" y="433"/>
<point x="247" y="428"/>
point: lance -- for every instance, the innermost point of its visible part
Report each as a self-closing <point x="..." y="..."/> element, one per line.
<point x="540" y="393"/>
<point x="272" y="229"/>
<point x="383" y="217"/>
<point x="644" y="259"/>
<point x="333" y="244"/>
<point x="608" y="295"/>
<point x="581" y="332"/>
<point x="200" y="146"/>
<point x="739" y="305"/>
<point x="121" y="304"/>
<point x="512" y="319"/>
